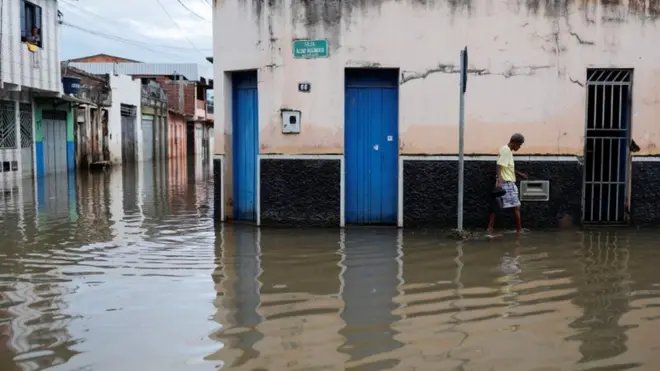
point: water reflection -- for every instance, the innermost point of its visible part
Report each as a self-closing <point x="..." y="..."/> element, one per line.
<point x="370" y="281"/>
<point x="604" y="287"/>
<point x="242" y="334"/>
<point x="134" y="274"/>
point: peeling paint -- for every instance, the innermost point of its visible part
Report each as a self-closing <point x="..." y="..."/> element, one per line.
<point x="362" y="64"/>
<point x="451" y="69"/>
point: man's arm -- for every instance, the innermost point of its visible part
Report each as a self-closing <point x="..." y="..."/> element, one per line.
<point x="521" y="174"/>
<point x="498" y="175"/>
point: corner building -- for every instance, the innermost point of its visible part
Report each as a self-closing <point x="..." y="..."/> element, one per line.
<point x="337" y="113"/>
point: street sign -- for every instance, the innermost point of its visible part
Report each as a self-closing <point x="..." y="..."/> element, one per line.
<point x="310" y="49"/>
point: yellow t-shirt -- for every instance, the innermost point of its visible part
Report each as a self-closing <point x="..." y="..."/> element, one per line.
<point x="505" y="160"/>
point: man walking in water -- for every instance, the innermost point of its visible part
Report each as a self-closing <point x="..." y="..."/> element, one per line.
<point x="506" y="181"/>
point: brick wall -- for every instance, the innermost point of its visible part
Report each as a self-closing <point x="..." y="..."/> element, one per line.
<point x="173" y="91"/>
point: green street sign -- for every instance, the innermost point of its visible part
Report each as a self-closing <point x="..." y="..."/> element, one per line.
<point x="310" y="49"/>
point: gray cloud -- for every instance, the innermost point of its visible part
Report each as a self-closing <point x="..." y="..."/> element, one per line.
<point x="138" y="29"/>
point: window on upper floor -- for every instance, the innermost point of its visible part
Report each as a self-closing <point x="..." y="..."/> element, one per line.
<point x="31" y="23"/>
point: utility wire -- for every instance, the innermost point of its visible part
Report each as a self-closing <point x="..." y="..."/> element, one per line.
<point x="177" y="26"/>
<point x="91" y="12"/>
<point x="191" y="12"/>
<point x="143" y="46"/>
<point x="125" y="40"/>
<point x="115" y="36"/>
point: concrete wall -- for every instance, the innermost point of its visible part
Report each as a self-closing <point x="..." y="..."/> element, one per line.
<point x="125" y="90"/>
<point x="528" y="65"/>
<point x="19" y="66"/>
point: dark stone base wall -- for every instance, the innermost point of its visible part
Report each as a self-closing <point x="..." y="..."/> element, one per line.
<point x="307" y="193"/>
<point x="645" y="193"/>
<point x="217" y="189"/>
<point x="300" y="192"/>
<point x="431" y="189"/>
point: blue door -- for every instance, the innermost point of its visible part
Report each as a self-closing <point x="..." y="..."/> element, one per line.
<point x="245" y="141"/>
<point x="371" y="145"/>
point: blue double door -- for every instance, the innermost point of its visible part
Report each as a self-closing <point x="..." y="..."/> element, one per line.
<point x="371" y="145"/>
<point x="245" y="144"/>
<point x="371" y="142"/>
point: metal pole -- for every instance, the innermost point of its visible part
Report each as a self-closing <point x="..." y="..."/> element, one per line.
<point x="461" y="129"/>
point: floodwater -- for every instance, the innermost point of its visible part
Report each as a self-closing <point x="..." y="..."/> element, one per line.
<point x="129" y="272"/>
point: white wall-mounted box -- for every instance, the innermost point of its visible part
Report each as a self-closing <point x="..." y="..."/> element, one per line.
<point x="291" y="122"/>
<point x="534" y="190"/>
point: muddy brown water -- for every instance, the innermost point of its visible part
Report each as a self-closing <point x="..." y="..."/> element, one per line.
<point x="129" y="272"/>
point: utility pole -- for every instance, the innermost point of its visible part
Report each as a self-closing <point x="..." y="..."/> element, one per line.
<point x="461" y="137"/>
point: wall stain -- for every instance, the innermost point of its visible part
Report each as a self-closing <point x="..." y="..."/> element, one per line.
<point x="327" y="18"/>
<point x="329" y="13"/>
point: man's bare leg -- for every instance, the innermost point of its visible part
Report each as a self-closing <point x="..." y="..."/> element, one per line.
<point x="491" y="223"/>
<point x="516" y="216"/>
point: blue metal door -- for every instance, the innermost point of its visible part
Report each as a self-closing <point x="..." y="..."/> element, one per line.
<point x="245" y="140"/>
<point x="371" y="145"/>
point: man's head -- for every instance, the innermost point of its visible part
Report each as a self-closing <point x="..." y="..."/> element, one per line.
<point x="516" y="141"/>
<point x="35" y="31"/>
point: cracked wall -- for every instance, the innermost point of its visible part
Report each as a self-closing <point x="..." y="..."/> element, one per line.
<point x="528" y="62"/>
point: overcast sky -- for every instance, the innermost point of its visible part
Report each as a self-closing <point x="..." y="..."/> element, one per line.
<point x="138" y="29"/>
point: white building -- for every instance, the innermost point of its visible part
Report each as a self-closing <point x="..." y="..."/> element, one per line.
<point x="375" y="89"/>
<point x="124" y="123"/>
<point x="26" y="73"/>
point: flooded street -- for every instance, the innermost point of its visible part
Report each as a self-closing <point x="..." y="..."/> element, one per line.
<point x="128" y="271"/>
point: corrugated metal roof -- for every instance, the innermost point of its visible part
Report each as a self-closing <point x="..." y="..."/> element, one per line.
<point x="189" y="70"/>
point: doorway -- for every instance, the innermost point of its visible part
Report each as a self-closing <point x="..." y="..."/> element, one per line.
<point x="371" y="137"/>
<point x="147" y="138"/>
<point x="245" y="144"/>
<point x="128" y="133"/>
<point x="55" y="189"/>
<point x="607" y="145"/>
<point x="54" y="141"/>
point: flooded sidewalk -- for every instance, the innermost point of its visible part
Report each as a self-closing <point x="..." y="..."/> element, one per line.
<point x="128" y="271"/>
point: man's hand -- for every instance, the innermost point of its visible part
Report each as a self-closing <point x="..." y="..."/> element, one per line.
<point x="522" y="175"/>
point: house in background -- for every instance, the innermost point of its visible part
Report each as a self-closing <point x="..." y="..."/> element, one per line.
<point x="176" y="122"/>
<point x="154" y="122"/>
<point x="200" y="128"/>
<point x="29" y="80"/>
<point x="92" y="100"/>
<point x="124" y="124"/>
<point x="185" y="88"/>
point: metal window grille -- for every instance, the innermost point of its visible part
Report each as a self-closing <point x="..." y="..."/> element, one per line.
<point x="26" y="125"/>
<point x="7" y="124"/>
<point x="607" y="145"/>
